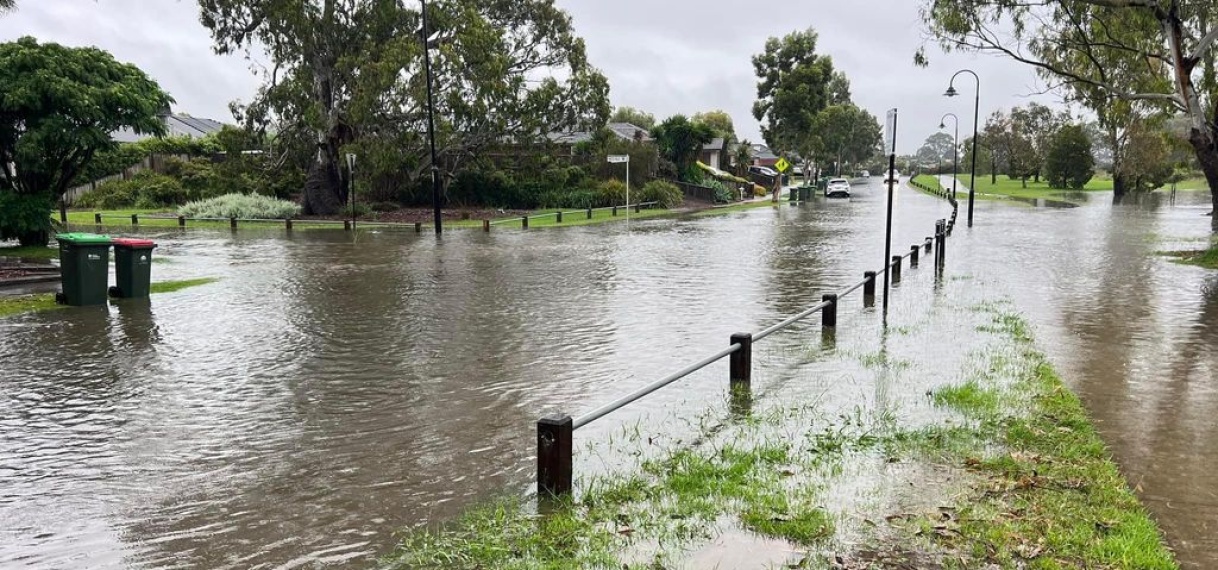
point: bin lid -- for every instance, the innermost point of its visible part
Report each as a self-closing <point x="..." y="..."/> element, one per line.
<point x="133" y="242"/>
<point x="83" y="239"/>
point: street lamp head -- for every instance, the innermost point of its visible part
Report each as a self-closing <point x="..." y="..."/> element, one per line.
<point x="951" y="91"/>
<point x="942" y="126"/>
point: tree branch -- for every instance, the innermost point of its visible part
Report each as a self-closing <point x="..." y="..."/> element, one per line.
<point x="1203" y="45"/>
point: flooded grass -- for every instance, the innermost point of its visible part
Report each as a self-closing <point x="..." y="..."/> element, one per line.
<point x="1024" y="482"/>
<point x="744" y="206"/>
<point x="46" y="301"/>
<point x="30" y="252"/>
<point x="1207" y="258"/>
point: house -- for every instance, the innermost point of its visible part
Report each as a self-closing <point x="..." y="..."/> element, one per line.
<point x="763" y="156"/>
<point x="176" y="125"/>
<point x="624" y="131"/>
<point x="715" y="154"/>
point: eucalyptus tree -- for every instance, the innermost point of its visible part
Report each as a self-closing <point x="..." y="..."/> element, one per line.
<point x="1150" y="56"/>
<point x="348" y="75"/>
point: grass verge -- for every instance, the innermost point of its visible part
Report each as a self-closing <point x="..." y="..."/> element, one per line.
<point x="30" y="252"/>
<point x="1207" y="258"/>
<point x="46" y="302"/>
<point x="743" y="206"/>
<point x="1039" y="489"/>
<point x="1014" y="188"/>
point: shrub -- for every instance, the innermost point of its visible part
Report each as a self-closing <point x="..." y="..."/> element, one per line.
<point x="245" y="206"/>
<point x="759" y="190"/>
<point x="1070" y="163"/>
<point x="611" y="192"/>
<point x="722" y="193"/>
<point x="361" y="210"/>
<point x="665" y="194"/>
<point x="24" y="217"/>
<point x="384" y="207"/>
<point x="146" y="189"/>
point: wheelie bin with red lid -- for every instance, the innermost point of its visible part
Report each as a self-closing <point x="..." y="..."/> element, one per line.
<point x="84" y="266"/>
<point x="132" y="268"/>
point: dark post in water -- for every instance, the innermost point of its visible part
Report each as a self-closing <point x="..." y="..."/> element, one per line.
<point x="554" y="439"/>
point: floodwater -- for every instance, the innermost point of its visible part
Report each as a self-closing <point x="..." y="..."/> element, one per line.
<point x="328" y="392"/>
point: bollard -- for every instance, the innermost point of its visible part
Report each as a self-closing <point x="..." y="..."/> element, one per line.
<point x="896" y="269"/>
<point x="589" y="213"/>
<point x="558" y="217"/>
<point x="524" y="222"/>
<point x="232" y="223"/>
<point x="615" y="211"/>
<point x="63" y="212"/>
<point x="869" y="284"/>
<point x="740" y="363"/>
<point x="181" y="221"/>
<point x="913" y="255"/>
<point x="638" y="208"/>
<point x="347" y="225"/>
<point x="97" y="219"/>
<point x="929" y="244"/>
<point x="486" y="225"/>
<point x="287" y="223"/>
<point x="828" y="315"/>
<point x="418" y="227"/>
<point x="554" y="455"/>
<point x="135" y="219"/>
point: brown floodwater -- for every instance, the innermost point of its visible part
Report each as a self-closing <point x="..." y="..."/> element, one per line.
<point x="330" y="390"/>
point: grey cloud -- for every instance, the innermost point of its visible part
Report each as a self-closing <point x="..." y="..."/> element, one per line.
<point x="667" y="57"/>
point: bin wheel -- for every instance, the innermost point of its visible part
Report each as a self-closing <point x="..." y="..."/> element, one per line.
<point x="116" y="292"/>
<point x="61" y="299"/>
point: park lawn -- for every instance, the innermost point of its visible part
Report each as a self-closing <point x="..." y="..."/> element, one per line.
<point x="46" y="301"/>
<point x="929" y="180"/>
<point x="1190" y="185"/>
<point x="1014" y="188"/>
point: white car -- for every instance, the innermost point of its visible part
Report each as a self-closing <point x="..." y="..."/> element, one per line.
<point x="764" y="171"/>
<point x="837" y="188"/>
<point x="896" y="177"/>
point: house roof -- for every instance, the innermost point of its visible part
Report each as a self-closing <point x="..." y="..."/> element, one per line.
<point x="177" y="125"/>
<point x="763" y="152"/>
<point x="716" y="144"/>
<point x="624" y="131"/>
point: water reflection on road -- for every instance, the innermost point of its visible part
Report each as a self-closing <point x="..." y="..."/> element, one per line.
<point x="326" y="393"/>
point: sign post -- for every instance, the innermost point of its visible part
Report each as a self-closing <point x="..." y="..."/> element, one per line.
<point x="351" y="184"/>
<point x="619" y="159"/>
<point x="890" y="143"/>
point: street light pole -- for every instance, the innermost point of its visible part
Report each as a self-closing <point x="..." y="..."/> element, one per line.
<point x="972" y="179"/>
<point x="431" y="125"/>
<point x="955" y="151"/>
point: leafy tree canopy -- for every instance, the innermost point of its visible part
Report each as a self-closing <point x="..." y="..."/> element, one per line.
<point x="719" y="121"/>
<point x="1069" y="162"/>
<point x="636" y="117"/>
<point x="349" y="76"/>
<point x="680" y="140"/>
<point x="793" y="88"/>
<point x="58" y="108"/>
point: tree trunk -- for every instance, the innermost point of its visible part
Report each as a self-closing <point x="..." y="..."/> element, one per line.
<point x="1118" y="188"/>
<point x="1206" y="147"/>
<point x="323" y="195"/>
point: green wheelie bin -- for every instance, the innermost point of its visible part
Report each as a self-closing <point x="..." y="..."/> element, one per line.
<point x="84" y="265"/>
<point x="132" y="268"/>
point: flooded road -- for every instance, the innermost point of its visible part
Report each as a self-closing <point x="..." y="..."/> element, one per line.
<point x="326" y="393"/>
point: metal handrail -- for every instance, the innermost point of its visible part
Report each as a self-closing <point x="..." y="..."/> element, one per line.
<point x="790" y="321"/>
<point x="648" y="389"/>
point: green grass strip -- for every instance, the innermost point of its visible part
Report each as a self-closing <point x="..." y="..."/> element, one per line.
<point x="46" y="301"/>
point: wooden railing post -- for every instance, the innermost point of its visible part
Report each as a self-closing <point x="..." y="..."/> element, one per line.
<point x="418" y="227"/>
<point x="288" y="224"/>
<point x="896" y="269"/>
<point x="615" y="211"/>
<point x="524" y="222"/>
<point x="740" y="363"/>
<point x="869" y="284"/>
<point x="486" y="225"/>
<point x="589" y="213"/>
<point x="929" y="244"/>
<point x="913" y="255"/>
<point x="232" y="223"/>
<point x="558" y="217"/>
<point x="181" y="221"/>
<point x="135" y="219"/>
<point x="554" y="459"/>
<point x="828" y="315"/>
<point x="97" y="219"/>
<point x="347" y="225"/>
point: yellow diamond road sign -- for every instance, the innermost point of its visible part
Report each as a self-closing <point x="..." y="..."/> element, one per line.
<point x="782" y="165"/>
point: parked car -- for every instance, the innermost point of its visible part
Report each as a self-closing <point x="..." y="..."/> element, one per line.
<point x="837" y="188"/>
<point x="764" y="171"/>
<point x="864" y="174"/>
<point x="896" y="177"/>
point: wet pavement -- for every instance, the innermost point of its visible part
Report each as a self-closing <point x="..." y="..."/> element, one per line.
<point x="331" y="390"/>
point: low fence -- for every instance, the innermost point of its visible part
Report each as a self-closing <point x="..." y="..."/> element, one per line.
<point x="555" y="433"/>
<point x="941" y="192"/>
<point x="289" y="223"/>
<point x="695" y="192"/>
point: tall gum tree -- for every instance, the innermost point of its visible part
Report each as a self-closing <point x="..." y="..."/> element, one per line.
<point x="347" y="75"/>
<point x="1157" y="53"/>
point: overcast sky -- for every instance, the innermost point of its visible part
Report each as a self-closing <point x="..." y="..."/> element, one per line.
<point x="663" y="56"/>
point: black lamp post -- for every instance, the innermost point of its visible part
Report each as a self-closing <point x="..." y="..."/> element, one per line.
<point x="955" y="150"/>
<point x="972" y="179"/>
<point x="431" y="124"/>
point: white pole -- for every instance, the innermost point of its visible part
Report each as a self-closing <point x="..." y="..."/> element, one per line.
<point x="627" y="191"/>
